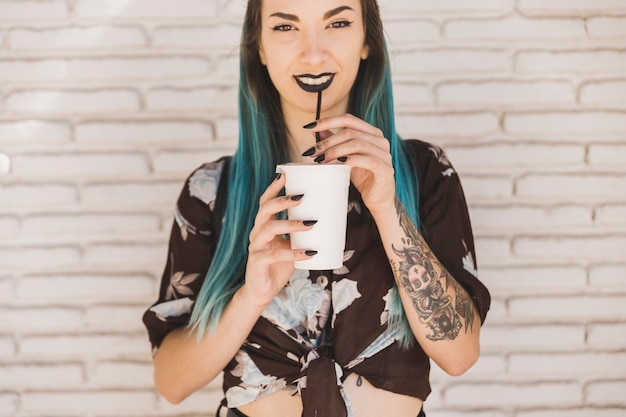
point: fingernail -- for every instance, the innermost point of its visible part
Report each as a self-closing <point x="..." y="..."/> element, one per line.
<point x="342" y="159"/>
<point x="309" y="222"/>
<point x="320" y="158"/>
<point x="310" y="125"/>
<point x="297" y="197"/>
<point x="310" y="252"/>
<point x="277" y="176"/>
<point x="309" y="151"/>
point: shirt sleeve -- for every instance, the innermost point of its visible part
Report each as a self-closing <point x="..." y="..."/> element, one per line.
<point x="445" y="222"/>
<point x="190" y="252"/>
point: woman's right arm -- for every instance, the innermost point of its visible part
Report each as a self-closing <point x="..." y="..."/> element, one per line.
<point x="183" y="365"/>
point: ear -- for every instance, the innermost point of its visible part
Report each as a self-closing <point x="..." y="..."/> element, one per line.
<point x="262" y="54"/>
<point x="365" y="52"/>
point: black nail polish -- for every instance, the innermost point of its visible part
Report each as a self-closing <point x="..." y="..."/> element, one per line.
<point x="310" y="252"/>
<point x="342" y="159"/>
<point x="277" y="176"/>
<point x="297" y="197"/>
<point x="309" y="151"/>
<point x="310" y="125"/>
<point x="309" y="222"/>
<point x="320" y="158"/>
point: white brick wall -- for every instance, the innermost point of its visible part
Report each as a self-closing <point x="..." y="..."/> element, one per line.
<point x="105" y="107"/>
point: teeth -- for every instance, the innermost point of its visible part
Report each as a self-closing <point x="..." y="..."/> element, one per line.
<point x="315" y="81"/>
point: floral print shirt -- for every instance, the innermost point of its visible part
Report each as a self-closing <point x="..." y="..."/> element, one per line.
<point x="323" y="325"/>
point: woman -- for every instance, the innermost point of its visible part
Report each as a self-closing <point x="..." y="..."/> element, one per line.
<point x="355" y="341"/>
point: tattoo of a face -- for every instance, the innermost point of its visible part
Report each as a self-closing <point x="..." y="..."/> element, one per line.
<point x="426" y="285"/>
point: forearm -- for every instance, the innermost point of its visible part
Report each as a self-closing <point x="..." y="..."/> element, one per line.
<point x="442" y="315"/>
<point x="182" y="365"/>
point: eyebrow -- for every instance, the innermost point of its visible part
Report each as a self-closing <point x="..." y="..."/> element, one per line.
<point x="327" y="15"/>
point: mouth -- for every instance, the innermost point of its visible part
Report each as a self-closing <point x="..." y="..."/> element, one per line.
<point x="314" y="83"/>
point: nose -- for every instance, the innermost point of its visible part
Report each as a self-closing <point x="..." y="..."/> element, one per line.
<point x="313" y="49"/>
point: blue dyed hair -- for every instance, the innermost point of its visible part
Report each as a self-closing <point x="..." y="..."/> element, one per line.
<point x="263" y="145"/>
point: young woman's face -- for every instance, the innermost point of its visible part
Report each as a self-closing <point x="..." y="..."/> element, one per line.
<point x="308" y="45"/>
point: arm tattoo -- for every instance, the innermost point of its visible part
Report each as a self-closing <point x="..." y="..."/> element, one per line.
<point x="427" y="283"/>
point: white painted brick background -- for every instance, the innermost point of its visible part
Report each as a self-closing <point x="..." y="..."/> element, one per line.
<point x="106" y="106"/>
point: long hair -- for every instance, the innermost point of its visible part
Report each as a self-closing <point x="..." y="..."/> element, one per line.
<point x="262" y="146"/>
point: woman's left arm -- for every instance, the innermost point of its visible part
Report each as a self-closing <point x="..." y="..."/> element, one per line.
<point x="442" y="315"/>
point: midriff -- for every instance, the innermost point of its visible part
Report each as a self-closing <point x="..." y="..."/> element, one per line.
<point x="366" y="400"/>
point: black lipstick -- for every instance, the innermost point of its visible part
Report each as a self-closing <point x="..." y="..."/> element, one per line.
<point x="314" y="88"/>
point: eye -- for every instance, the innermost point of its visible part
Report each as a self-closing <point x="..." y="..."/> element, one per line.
<point x="340" y="24"/>
<point x="282" y="28"/>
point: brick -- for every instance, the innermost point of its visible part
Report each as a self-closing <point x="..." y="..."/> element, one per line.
<point x="75" y="288"/>
<point x="33" y="9"/>
<point x="80" y="165"/>
<point x="571" y="247"/>
<point x="7" y="288"/>
<point x="569" y="412"/>
<point x="33" y="69"/>
<point x="89" y="224"/>
<point x="5" y="164"/>
<point x="560" y="364"/>
<point x="570" y="7"/>
<point x="437" y="61"/>
<point x="513" y="279"/>
<point x="606" y="27"/>
<point x="227" y="128"/>
<point x="401" y="32"/>
<point x="486" y="186"/>
<point x="607" y="336"/>
<point x="7" y="346"/>
<point x="33" y="319"/>
<point x="448" y="6"/>
<point x="117" y="318"/>
<point x="526" y="338"/>
<point x="40" y="375"/>
<point x="9" y="403"/>
<point x="524" y="217"/>
<point x="515" y="28"/>
<point x="121" y="402"/>
<point x="611" y="214"/>
<point x="446" y="125"/>
<point x="492" y="248"/>
<point x="145" y="9"/>
<point x="9" y="226"/>
<point x="84" y="346"/>
<point x="606" y="393"/>
<point x="505" y="92"/>
<point x="46" y="257"/>
<point x="219" y="98"/>
<point x="34" y="131"/>
<point x="223" y="36"/>
<point x="35" y="195"/>
<point x="76" y="101"/>
<point x="407" y="94"/>
<point x="151" y="131"/>
<point x="506" y="155"/>
<point x="569" y="307"/>
<point x="75" y="37"/>
<point x="126" y="254"/>
<point x="227" y="67"/>
<point x="604" y="155"/>
<point x="513" y="394"/>
<point x="143" y="68"/>
<point x="128" y="194"/>
<point x="575" y="123"/>
<point x="588" y="62"/>
<point x="609" y="275"/>
<point x="570" y="185"/>
<point x="613" y="91"/>
<point x="136" y="375"/>
<point x="183" y="162"/>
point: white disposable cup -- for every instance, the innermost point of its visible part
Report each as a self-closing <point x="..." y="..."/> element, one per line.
<point x="325" y="188"/>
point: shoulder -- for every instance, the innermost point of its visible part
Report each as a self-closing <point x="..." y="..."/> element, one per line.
<point x="430" y="160"/>
<point x="203" y="182"/>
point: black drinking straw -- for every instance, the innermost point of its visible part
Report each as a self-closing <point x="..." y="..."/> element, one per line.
<point x="317" y="113"/>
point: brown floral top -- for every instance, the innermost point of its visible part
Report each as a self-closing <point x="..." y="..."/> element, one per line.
<point x="323" y="325"/>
